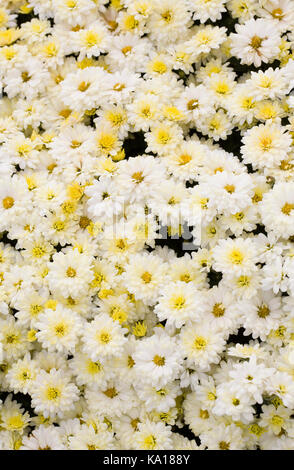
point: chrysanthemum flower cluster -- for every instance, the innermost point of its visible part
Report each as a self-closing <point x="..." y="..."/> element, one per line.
<point x="125" y="125"/>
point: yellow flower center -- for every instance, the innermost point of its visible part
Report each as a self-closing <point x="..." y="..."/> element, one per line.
<point x="138" y="177"/>
<point x="71" y="272"/>
<point x="266" y="143"/>
<point x="236" y="257"/>
<point x="104" y="337"/>
<point x="93" y="367"/>
<point x="83" y="86"/>
<point x="159" y="360"/>
<point x="60" y="330"/>
<point x="263" y="311"/>
<point x="179" y="302"/>
<point x="184" y="159"/>
<point x="203" y="414"/>
<point x="277" y="420"/>
<point x="53" y="393"/>
<point x="218" y="310"/>
<point x="149" y="442"/>
<point x="223" y="445"/>
<point x="200" y="343"/>
<point x="159" y="67"/>
<point x="185" y="277"/>
<point x="192" y="104"/>
<point x="111" y="392"/>
<point x="125" y="50"/>
<point x="255" y="42"/>
<point x="8" y="202"/>
<point x="230" y="188"/>
<point x="287" y="208"/>
<point x="146" y="277"/>
<point x="167" y="16"/>
<point x="15" y="423"/>
<point x="277" y="13"/>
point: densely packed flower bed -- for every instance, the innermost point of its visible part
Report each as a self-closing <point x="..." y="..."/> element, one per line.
<point x="147" y="224"/>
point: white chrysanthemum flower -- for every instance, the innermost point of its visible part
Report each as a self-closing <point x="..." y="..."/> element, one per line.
<point x="227" y="192"/>
<point x="86" y="438"/>
<point x="256" y="41"/>
<point x="158" y="359"/>
<point x="43" y="438"/>
<point x="58" y="329"/>
<point x="276" y="210"/>
<point x="70" y="274"/>
<point x="152" y="436"/>
<point x="235" y="257"/>
<point x="103" y="337"/>
<point x="22" y="374"/>
<point x="178" y="303"/>
<point x="144" y="276"/>
<point x="53" y="394"/>
<point x="207" y="9"/>
<point x="201" y="344"/>
<point x="229" y="402"/>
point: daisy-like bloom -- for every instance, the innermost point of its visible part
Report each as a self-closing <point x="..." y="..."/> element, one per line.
<point x="80" y="90"/>
<point x="249" y="378"/>
<point x="235" y="257"/>
<point x="70" y="274"/>
<point x="217" y="126"/>
<point x="22" y="374"/>
<point x="275" y="420"/>
<point x="13" y="417"/>
<point x="194" y="100"/>
<point x="266" y="146"/>
<point x="73" y="142"/>
<point x="59" y="329"/>
<point x="281" y="385"/>
<point x="203" y="10"/>
<point x="158" y="359"/>
<point x="219" y="307"/>
<point x="223" y="437"/>
<point x="13" y="339"/>
<point x="230" y="402"/>
<point x="276" y="210"/>
<point x="153" y="436"/>
<point x="14" y="196"/>
<point x="138" y="177"/>
<point x="27" y="79"/>
<point x="178" y="303"/>
<point x="163" y="138"/>
<point x="256" y="41"/>
<point x="90" y="41"/>
<point x="104" y="200"/>
<point x="160" y="399"/>
<point x="227" y="192"/>
<point x="53" y="394"/>
<point x="103" y="337"/>
<point x="115" y="396"/>
<point x="86" y="438"/>
<point x="144" y="276"/>
<point x="43" y="438"/>
<point x="143" y="111"/>
<point x="205" y="38"/>
<point x="261" y="315"/>
<point x="88" y="372"/>
<point x="242" y="104"/>
<point x="168" y="21"/>
<point x="201" y="344"/>
<point x="269" y="84"/>
<point x="280" y="12"/>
